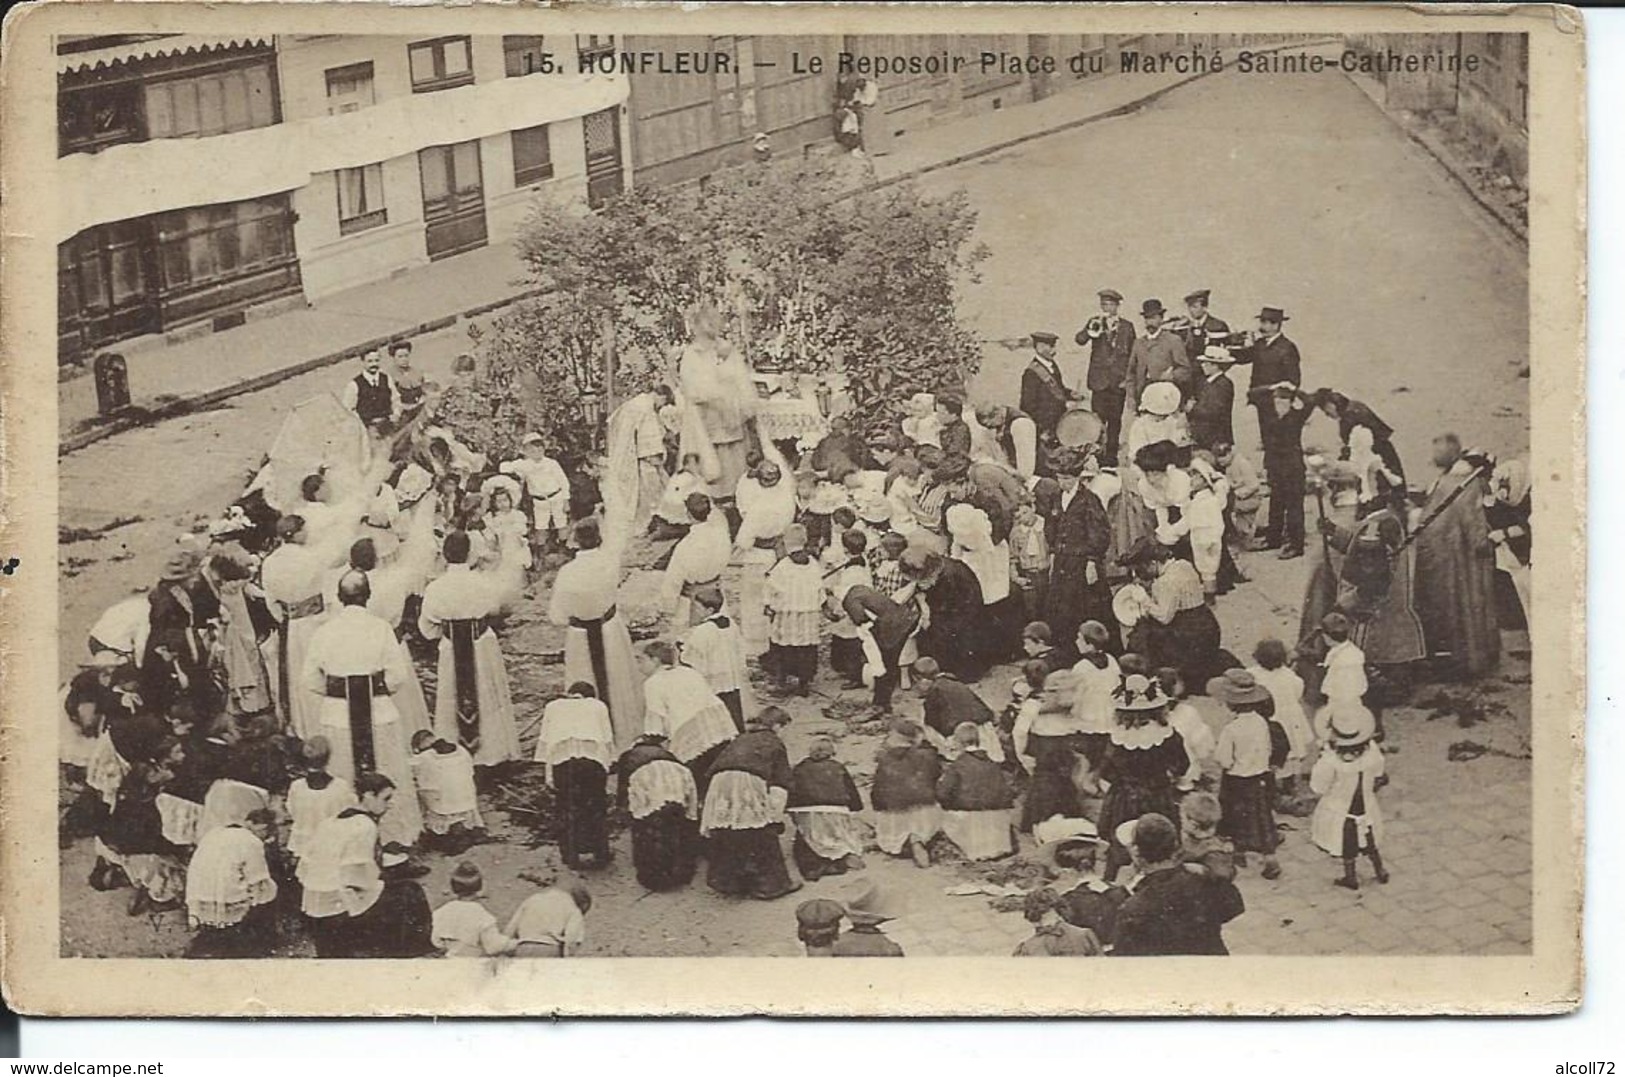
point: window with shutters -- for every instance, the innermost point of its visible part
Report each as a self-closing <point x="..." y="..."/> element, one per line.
<point x="440" y="64"/>
<point x="361" y="198"/>
<point x="349" y="88"/>
<point x="522" y="54"/>
<point x="532" y="156"/>
<point x="215" y="103"/>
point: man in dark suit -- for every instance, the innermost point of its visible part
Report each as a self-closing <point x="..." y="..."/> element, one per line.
<point x="1282" y="411"/>
<point x="1274" y="360"/>
<point x="1157" y="356"/>
<point x="1171" y="910"/>
<point x="1079" y="534"/>
<point x="1044" y="395"/>
<point x="1111" y="341"/>
<point x="1213" y="401"/>
<point x="1204" y="329"/>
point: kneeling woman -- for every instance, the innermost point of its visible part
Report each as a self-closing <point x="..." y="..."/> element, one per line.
<point x="824" y="803"/>
<point x="976" y="800"/>
<point x="1166" y="613"/>
<point x="659" y="792"/>
<point x="744" y="812"/>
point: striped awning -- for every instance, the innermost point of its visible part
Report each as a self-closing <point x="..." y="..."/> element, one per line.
<point x="168" y="45"/>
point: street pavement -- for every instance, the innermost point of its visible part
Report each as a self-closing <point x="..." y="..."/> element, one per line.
<point x="1401" y="295"/>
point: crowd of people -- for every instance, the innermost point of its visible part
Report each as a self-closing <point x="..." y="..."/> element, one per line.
<point x="253" y="731"/>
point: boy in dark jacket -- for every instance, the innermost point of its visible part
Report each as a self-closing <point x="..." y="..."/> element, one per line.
<point x="824" y="803"/>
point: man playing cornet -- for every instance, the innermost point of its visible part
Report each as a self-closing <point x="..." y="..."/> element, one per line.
<point x="1201" y="328"/>
<point x="1110" y="340"/>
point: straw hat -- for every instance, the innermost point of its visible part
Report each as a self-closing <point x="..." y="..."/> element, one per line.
<point x="1237" y="688"/>
<point x="1351" y="726"/>
<point x="1139" y="693"/>
<point x="1215" y="353"/>
<point x="414" y="481"/>
<point x="509" y="486"/>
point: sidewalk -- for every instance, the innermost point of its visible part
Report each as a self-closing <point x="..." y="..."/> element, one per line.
<point x="168" y="380"/>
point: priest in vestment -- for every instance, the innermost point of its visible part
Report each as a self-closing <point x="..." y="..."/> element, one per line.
<point x="473" y="703"/>
<point x="1455" y="566"/>
<point x="354" y="667"/>
<point x="598" y="645"/>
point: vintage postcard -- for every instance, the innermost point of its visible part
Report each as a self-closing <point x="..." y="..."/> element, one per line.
<point x="679" y="492"/>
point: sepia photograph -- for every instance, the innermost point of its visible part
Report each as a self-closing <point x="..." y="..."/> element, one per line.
<point x="605" y="492"/>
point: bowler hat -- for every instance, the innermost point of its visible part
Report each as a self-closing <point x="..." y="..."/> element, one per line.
<point x="1273" y="314"/>
<point x="1200" y="294"/>
<point x="1044" y="337"/>
<point x="1237" y="688"/>
<point x="1111" y="293"/>
<point x="1152" y="306"/>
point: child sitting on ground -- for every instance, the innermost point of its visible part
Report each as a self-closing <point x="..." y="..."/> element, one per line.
<point x="463" y="926"/>
<point x="444" y="774"/>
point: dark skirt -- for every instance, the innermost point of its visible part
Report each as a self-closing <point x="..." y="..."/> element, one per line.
<point x="846" y="657"/>
<point x="1129" y="799"/>
<point x="811" y="865"/>
<point x="1072" y="600"/>
<point x="731" y="700"/>
<point x="399" y="924"/>
<point x="1249" y="816"/>
<point x="664" y="845"/>
<point x="788" y="661"/>
<point x="1188" y="643"/>
<point x="581" y="804"/>
<point x="956" y="645"/>
<point x="253" y="936"/>
<point x="1050" y="792"/>
<point x="747" y="863"/>
<point x="1000" y="630"/>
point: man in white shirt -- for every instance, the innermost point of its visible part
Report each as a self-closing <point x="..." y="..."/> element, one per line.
<point x="697" y="560"/>
<point x="355" y="664"/>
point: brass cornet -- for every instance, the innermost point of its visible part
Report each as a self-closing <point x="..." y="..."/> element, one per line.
<point x="1095" y="327"/>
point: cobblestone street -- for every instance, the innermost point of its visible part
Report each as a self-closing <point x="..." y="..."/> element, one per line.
<point x="1153" y="203"/>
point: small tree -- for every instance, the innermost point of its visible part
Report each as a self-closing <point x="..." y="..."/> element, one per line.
<point x="810" y="277"/>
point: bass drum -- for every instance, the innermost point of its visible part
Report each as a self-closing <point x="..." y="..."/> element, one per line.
<point x="1079" y="429"/>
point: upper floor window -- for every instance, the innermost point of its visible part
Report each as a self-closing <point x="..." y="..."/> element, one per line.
<point x="522" y="55"/>
<point x="349" y="88"/>
<point x="216" y="103"/>
<point x="591" y="46"/>
<point x="440" y="64"/>
<point x="97" y="116"/>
